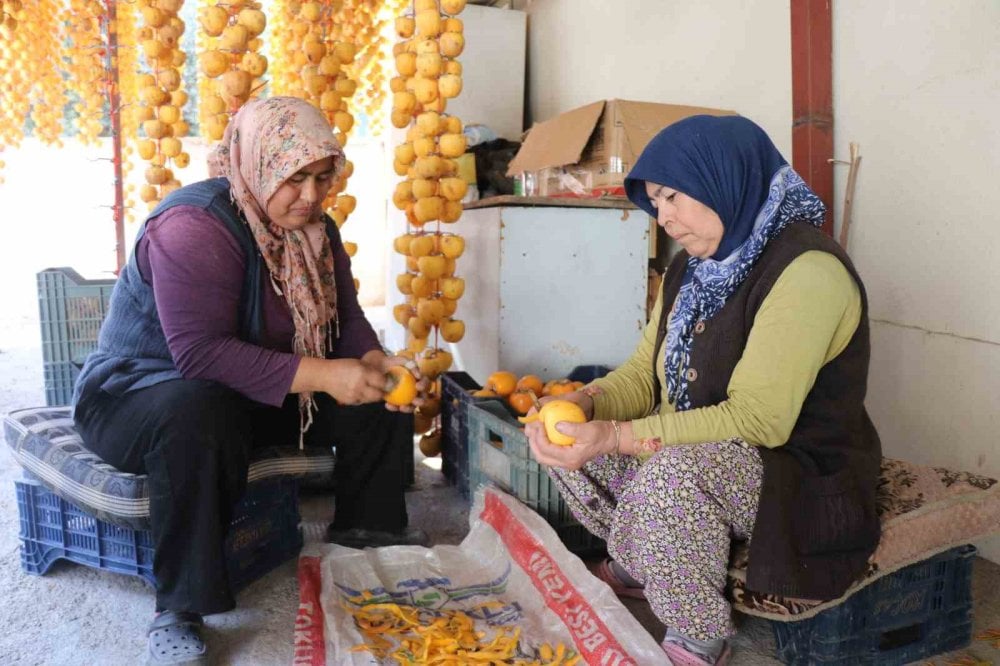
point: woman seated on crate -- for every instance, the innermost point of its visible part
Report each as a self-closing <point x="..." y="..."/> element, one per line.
<point x="234" y="325"/>
<point x="740" y="415"/>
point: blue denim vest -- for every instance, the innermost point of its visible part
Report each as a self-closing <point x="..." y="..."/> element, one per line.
<point x="132" y="350"/>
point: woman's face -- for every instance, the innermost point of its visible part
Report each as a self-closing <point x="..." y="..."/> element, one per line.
<point x="692" y="224"/>
<point x="296" y="203"/>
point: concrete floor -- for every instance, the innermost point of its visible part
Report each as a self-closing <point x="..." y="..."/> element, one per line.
<point x="77" y="615"/>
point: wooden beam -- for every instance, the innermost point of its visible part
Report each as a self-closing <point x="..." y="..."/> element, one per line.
<point x="114" y="105"/>
<point x="812" y="98"/>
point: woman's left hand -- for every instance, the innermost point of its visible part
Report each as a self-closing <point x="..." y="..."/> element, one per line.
<point x="593" y="439"/>
<point x="423" y="384"/>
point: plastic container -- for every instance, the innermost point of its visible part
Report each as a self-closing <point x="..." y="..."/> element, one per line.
<point x="588" y="373"/>
<point x="71" y="310"/>
<point x="919" y="611"/>
<point x="499" y="453"/>
<point x="264" y="533"/>
<point x="455" y="398"/>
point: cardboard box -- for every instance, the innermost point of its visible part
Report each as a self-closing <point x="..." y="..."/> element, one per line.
<point x="604" y="138"/>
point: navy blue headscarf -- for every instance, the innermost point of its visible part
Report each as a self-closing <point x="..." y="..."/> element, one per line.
<point x="730" y="165"/>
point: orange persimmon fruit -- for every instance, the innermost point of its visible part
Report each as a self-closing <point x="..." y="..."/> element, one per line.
<point x="401" y="386"/>
<point x="522" y="400"/>
<point x="502" y="382"/>
<point x="532" y="383"/>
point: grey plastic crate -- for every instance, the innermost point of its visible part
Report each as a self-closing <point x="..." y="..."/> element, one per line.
<point x="70" y="310"/>
<point x="499" y="453"/>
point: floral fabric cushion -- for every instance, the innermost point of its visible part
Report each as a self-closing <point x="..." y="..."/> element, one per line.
<point x="45" y="443"/>
<point x="923" y="510"/>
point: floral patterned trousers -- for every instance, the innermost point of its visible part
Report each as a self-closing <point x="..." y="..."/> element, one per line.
<point x="670" y="522"/>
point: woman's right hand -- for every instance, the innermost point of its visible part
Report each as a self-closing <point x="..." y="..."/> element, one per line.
<point x="351" y="382"/>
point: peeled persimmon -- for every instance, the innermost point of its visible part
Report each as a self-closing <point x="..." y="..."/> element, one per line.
<point x="553" y="412"/>
<point x="502" y="382"/>
<point x="400" y="386"/>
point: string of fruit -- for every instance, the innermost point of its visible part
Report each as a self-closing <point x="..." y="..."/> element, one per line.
<point x="373" y="35"/>
<point x="162" y="99"/>
<point x="86" y="65"/>
<point x="428" y="75"/>
<point x="231" y="57"/>
<point x="126" y="64"/>
<point x="42" y="28"/>
<point x="14" y="57"/>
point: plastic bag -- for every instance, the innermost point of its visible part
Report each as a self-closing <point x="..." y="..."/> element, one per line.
<point x="510" y="570"/>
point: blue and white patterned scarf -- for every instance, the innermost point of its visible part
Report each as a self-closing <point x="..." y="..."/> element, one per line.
<point x="708" y="283"/>
<point x="730" y="165"/>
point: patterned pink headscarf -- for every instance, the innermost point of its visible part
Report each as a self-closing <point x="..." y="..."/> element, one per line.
<point x="266" y="143"/>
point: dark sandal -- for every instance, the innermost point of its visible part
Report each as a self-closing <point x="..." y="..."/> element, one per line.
<point x="175" y="638"/>
<point x="604" y="571"/>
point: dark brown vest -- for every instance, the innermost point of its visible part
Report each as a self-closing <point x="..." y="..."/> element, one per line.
<point x="817" y="524"/>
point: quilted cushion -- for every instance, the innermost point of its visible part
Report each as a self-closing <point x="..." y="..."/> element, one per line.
<point x="923" y="510"/>
<point x="46" y="444"/>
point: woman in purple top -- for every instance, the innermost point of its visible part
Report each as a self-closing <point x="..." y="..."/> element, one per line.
<point x="236" y="325"/>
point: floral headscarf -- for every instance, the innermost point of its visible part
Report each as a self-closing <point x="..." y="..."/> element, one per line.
<point x="730" y="165"/>
<point x="266" y="143"/>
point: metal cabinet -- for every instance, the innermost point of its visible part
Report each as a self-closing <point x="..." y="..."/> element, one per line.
<point x="550" y="287"/>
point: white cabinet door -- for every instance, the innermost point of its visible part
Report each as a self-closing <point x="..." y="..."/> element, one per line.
<point x="548" y="289"/>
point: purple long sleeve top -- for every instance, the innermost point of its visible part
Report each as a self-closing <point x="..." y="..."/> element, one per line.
<point x="196" y="269"/>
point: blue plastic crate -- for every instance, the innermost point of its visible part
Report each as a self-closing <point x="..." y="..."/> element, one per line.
<point x="263" y="534"/>
<point x="70" y="310"/>
<point x="919" y="611"/>
<point x="499" y="453"/>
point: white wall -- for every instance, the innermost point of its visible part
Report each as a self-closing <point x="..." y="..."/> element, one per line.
<point x="917" y="85"/>
<point x="729" y="55"/>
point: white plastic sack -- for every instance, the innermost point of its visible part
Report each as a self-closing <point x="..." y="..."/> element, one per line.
<point x="511" y="555"/>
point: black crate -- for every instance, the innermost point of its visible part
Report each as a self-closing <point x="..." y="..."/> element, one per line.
<point x="499" y="454"/>
<point x="455" y="398"/>
<point x="588" y="373"/>
<point x="919" y="611"/>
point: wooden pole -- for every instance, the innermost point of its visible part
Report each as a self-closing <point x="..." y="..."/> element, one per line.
<point x="114" y="101"/>
<point x="852" y="179"/>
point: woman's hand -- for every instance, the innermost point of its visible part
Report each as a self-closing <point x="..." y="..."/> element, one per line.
<point x="383" y="362"/>
<point x="353" y="382"/>
<point x="593" y="439"/>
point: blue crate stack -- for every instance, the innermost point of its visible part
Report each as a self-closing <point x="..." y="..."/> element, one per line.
<point x="264" y="533"/>
<point x="921" y="610"/>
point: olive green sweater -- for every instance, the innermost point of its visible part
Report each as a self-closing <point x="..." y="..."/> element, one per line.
<point x="806" y="320"/>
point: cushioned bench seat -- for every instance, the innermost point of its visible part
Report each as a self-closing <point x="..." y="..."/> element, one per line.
<point x="45" y="443"/>
<point x="924" y="511"/>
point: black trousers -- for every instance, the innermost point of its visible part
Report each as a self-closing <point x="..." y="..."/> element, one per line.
<point x="194" y="439"/>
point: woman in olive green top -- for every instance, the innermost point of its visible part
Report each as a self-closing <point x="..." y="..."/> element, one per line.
<point x="741" y="413"/>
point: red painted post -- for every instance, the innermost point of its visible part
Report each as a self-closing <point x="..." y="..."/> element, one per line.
<point x="812" y="98"/>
